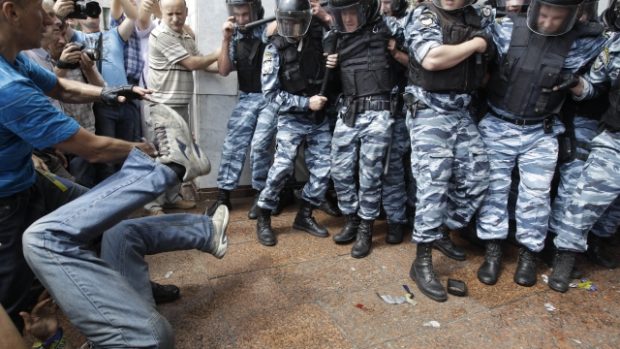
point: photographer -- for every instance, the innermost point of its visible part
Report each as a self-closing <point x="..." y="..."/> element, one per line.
<point x="117" y="122"/>
<point x="75" y="63"/>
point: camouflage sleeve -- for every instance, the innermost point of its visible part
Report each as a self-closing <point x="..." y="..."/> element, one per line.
<point x="583" y="51"/>
<point x="395" y="29"/>
<point x="423" y="33"/>
<point x="606" y="67"/>
<point x="271" y="83"/>
<point x="501" y="31"/>
<point x="232" y="50"/>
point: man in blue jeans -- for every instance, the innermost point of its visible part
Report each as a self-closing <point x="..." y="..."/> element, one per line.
<point x="96" y="294"/>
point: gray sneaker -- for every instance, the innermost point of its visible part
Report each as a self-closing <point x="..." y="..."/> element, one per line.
<point x="219" y="240"/>
<point x="175" y="144"/>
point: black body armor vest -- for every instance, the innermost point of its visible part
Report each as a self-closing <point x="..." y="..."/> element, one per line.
<point x="533" y="63"/>
<point x="465" y="77"/>
<point x="248" y="64"/>
<point x="365" y="61"/>
<point x="302" y="71"/>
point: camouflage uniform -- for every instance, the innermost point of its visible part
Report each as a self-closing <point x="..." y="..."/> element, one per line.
<point x="294" y="126"/>
<point x="530" y="147"/>
<point x="598" y="186"/>
<point x="261" y="154"/>
<point x="448" y="159"/>
<point x="241" y="124"/>
<point x="394" y="193"/>
<point x="361" y="148"/>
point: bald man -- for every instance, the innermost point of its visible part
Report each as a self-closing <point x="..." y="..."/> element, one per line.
<point x="173" y="56"/>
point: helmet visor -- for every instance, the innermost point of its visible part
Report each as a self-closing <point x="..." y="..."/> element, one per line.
<point x="452" y="5"/>
<point x="550" y="19"/>
<point x="512" y="6"/>
<point x="293" y="24"/>
<point x="588" y="11"/>
<point x="347" y="19"/>
<point x="243" y="13"/>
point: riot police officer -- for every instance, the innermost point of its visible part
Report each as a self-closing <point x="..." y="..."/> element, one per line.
<point x="449" y="49"/>
<point x="394" y="191"/>
<point x="538" y="54"/>
<point x="292" y="74"/>
<point x="597" y="186"/>
<point x="242" y="50"/>
<point x="364" y="123"/>
<point x="581" y="119"/>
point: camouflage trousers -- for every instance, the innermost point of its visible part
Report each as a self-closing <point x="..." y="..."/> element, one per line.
<point x="535" y="154"/>
<point x="261" y="154"/>
<point x="239" y="134"/>
<point x="597" y="188"/>
<point x="450" y="167"/>
<point x="293" y="129"/>
<point x="394" y="195"/>
<point x="360" y="148"/>
<point x="585" y="130"/>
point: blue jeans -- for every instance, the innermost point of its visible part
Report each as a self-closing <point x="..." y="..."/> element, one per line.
<point x="107" y="300"/>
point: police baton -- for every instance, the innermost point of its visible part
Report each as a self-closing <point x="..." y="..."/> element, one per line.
<point x="256" y="23"/>
<point x="267" y="20"/>
<point x="330" y="41"/>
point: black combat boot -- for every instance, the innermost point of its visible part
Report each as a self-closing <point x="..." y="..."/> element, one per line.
<point x="223" y="198"/>
<point x="287" y="198"/>
<point x="363" y="241"/>
<point x="525" y="275"/>
<point x="447" y="247"/>
<point x="422" y="273"/>
<point x="395" y="233"/>
<point x="304" y="221"/>
<point x="562" y="268"/>
<point x="597" y="253"/>
<point x="253" y="212"/>
<point x="490" y="268"/>
<point x="263" y="228"/>
<point x="330" y="206"/>
<point x="349" y="231"/>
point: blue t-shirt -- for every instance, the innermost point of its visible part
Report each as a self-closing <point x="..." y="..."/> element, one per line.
<point x="27" y="120"/>
<point x="112" y="56"/>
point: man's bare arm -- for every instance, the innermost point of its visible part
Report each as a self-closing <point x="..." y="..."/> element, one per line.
<point x="95" y="148"/>
<point x="200" y="62"/>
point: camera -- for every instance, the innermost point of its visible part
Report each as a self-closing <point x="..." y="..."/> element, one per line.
<point x="92" y="53"/>
<point x="85" y="8"/>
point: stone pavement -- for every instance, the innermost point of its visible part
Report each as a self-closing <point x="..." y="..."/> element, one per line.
<point x="308" y="292"/>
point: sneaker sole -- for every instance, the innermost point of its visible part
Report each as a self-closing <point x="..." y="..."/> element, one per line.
<point x="221" y="213"/>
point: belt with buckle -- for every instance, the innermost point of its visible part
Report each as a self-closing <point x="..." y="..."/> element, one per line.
<point x="521" y="122"/>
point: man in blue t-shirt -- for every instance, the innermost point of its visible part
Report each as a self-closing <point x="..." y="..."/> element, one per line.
<point x="107" y="298"/>
<point x="28" y="121"/>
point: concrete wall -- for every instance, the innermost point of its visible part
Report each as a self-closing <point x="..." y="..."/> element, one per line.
<point x="215" y="95"/>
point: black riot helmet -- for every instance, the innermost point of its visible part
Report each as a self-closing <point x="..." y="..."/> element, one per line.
<point x="293" y="18"/>
<point x="397" y="8"/>
<point x="255" y="7"/>
<point x="552" y="17"/>
<point x="452" y="8"/>
<point x="611" y="16"/>
<point x="512" y="6"/>
<point x="350" y="15"/>
<point x="588" y="11"/>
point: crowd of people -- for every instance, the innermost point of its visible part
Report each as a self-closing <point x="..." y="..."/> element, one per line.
<point x="497" y="119"/>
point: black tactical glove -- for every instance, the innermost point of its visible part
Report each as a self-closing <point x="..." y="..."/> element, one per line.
<point x="110" y="95"/>
<point x="567" y="81"/>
